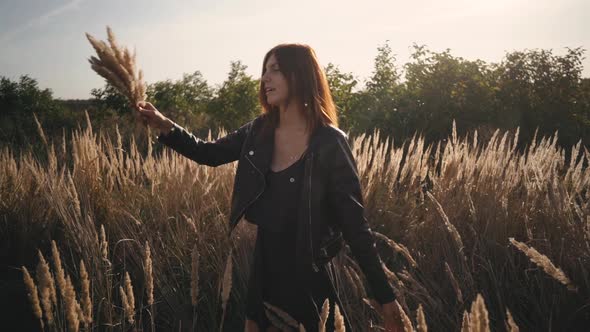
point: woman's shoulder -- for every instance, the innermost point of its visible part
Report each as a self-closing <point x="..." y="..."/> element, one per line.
<point x="334" y="150"/>
<point x="331" y="145"/>
<point x="329" y="135"/>
<point x="252" y="125"/>
<point x="256" y="121"/>
<point x="336" y="132"/>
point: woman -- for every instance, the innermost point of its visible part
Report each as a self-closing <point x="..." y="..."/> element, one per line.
<point x="297" y="180"/>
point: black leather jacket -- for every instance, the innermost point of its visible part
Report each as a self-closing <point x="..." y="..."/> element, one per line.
<point x="331" y="199"/>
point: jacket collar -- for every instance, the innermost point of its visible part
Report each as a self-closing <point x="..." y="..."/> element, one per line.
<point x="260" y="153"/>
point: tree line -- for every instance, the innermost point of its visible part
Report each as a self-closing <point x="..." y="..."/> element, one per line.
<point x="534" y="90"/>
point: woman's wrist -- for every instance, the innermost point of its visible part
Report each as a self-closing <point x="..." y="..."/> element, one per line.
<point x="166" y="127"/>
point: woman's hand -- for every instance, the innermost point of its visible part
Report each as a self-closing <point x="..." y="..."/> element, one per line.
<point x="392" y="318"/>
<point x="152" y="117"/>
<point x="251" y="326"/>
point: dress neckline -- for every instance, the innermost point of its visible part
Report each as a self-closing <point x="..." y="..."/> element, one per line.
<point x="290" y="166"/>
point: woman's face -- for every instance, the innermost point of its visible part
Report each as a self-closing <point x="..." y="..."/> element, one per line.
<point x="275" y="84"/>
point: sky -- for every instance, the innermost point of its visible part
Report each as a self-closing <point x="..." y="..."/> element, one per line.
<point x="45" y="38"/>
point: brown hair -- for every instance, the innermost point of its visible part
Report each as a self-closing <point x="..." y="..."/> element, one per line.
<point x="307" y="83"/>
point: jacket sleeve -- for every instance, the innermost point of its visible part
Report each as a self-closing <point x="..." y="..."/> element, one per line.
<point x="211" y="153"/>
<point x="346" y="202"/>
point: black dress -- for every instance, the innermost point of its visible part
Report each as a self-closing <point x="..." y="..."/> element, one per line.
<point x="272" y="277"/>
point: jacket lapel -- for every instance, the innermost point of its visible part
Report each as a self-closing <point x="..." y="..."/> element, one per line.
<point x="260" y="153"/>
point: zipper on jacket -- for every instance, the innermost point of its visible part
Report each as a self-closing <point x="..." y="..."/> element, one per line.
<point x="313" y="264"/>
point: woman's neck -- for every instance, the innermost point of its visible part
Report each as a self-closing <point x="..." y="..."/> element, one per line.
<point x="292" y="118"/>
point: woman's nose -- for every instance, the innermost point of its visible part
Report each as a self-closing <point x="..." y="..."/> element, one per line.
<point x="265" y="78"/>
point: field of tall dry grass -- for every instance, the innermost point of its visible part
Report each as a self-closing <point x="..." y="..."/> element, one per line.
<point x="474" y="236"/>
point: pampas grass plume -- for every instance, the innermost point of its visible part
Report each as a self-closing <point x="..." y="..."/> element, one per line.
<point x="33" y="295"/>
<point x="421" y="320"/>
<point x="338" y="319"/>
<point x="129" y="299"/>
<point x="149" y="277"/>
<point x="72" y="306"/>
<point x="46" y="288"/>
<point x="85" y="295"/>
<point x="324" y="315"/>
<point x="59" y="271"/>
<point x="118" y="67"/>
<point x="545" y="263"/>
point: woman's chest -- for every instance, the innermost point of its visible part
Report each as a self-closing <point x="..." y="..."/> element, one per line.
<point x="287" y="149"/>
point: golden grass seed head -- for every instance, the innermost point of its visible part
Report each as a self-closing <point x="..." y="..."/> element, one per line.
<point x="85" y="294"/>
<point x="46" y="287"/>
<point x="227" y="281"/>
<point x="33" y="295"/>
<point x="71" y="306"/>
<point x="338" y="319"/>
<point x="324" y="316"/>
<point x="421" y="320"/>
<point x="149" y="276"/>
<point x="510" y="323"/>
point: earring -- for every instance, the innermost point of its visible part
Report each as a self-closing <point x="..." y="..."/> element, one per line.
<point x="305" y="104"/>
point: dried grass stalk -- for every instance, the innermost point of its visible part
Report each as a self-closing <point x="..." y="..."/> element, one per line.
<point x="40" y="130"/>
<point x="194" y="276"/>
<point x="357" y="281"/>
<point x="478" y="318"/>
<point x="33" y="295"/>
<point x="374" y="305"/>
<point x="118" y="67"/>
<point x="352" y="283"/>
<point x="81" y="313"/>
<point x="510" y="323"/>
<point x="324" y="316"/>
<point x="465" y="322"/>
<point x="227" y="281"/>
<point x="46" y="288"/>
<point x="72" y="306"/>
<point x="397" y="247"/>
<point x="391" y="275"/>
<point x="149" y="277"/>
<point x="128" y="299"/>
<point x="408" y="327"/>
<point x="545" y="263"/>
<point x="421" y="320"/>
<point x="59" y="271"/>
<point x="450" y="227"/>
<point x="281" y="314"/>
<point x="454" y="282"/>
<point x="338" y="320"/>
<point x="104" y="246"/>
<point x="226" y="287"/>
<point x="126" y="307"/>
<point x="279" y="318"/>
<point x="86" y="299"/>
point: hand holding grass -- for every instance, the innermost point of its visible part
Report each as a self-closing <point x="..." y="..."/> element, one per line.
<point x="152" y="117"/>
<point x="117" y="65"/>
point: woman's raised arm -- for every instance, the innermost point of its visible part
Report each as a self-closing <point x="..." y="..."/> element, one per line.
<point x="211" y="153"/>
